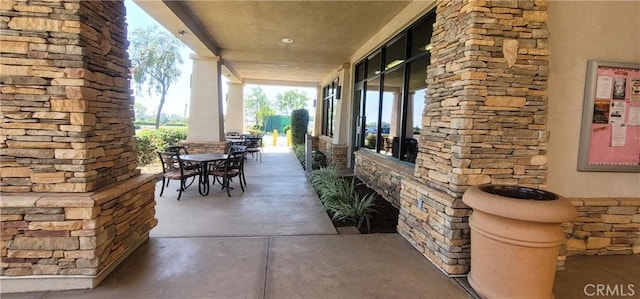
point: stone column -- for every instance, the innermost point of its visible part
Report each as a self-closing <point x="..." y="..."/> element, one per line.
<point x="485" y="119"/>
<point x="206" y="123"/>
<point x="73" y="202"/>
<point x="234" y="119"/>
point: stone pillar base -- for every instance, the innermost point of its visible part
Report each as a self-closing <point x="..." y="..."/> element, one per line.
<point x="62" y="241"/>
<point x="40" y="283"/>
<point x="337" y="154"/>
<point x="213" y="147"/>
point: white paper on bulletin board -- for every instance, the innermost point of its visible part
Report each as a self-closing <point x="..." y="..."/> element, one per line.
<point x="604" y="87"/>
<point x="634" y="116"/>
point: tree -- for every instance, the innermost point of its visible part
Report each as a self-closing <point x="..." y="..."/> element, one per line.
<point x="155" y="58"/>
<point x="291" y="100"/>
<point x="141" y="111"/>
<point x="258" y="107"/>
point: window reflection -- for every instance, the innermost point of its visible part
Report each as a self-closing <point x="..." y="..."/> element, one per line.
<point x="392" y="114"/>
<point x="391" y="109"/>
<point x="421" y="38"/>
<point x="372" y="109"/>
<point x="373" y="66"/>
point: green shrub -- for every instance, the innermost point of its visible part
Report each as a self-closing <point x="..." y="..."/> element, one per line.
<point x="340" y="198"/>
<point x="299" y="124"/>
<point x="299" y="150"/>
<point x="148" y="142"/>
<point x="170" y="136"/>
<point x="145" y="148"/>
<point x="370" y="141"/>
<point x="286" y="128"/>
<point x="145" y="122"/>
<point x="175" y="124"/>
<point x="254" y="131"/>
<point x="319" y="160"/>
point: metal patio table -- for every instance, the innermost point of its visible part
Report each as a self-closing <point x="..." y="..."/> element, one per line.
<point x="204" y="160"/>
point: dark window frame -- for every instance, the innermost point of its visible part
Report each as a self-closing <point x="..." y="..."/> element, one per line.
<point x="362" y="67"/>
<point x="329" y="106"/>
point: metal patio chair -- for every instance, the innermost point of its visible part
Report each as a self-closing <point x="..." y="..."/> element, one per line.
<point x="173" y="168"/>
<point x="224" y="170"/>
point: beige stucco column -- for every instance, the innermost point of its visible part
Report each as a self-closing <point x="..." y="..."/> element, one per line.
<point x="409" y="128"/>
<point x="234" y="118"/>
<point x="206" y="123"/>
<point x="317" y="119"/>
<point x="342" y="128"/>
<point x="395" y="126"/>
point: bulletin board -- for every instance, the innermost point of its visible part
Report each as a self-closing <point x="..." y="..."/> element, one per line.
<point x="610" y="136"/>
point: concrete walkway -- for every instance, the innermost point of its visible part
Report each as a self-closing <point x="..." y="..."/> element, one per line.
<point x="278" y="200"/>
<point x="274" y="241"/>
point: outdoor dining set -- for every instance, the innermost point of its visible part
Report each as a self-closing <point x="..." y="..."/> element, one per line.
<point x="178" y="164"/>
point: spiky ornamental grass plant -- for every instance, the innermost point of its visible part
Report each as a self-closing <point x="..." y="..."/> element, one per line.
<point x="339" y="197"/>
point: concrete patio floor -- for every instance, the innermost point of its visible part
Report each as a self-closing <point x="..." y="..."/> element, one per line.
<point x="274" y="241"/>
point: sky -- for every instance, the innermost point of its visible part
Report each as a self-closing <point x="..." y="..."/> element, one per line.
<point x="178" y="95"/>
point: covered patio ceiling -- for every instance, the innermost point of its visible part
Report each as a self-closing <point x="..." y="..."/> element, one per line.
<point x="248" y="35"/>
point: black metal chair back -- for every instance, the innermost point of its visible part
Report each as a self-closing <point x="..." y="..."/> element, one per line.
<point x="254" y="147"/>
<point x="410" y="149"/>
<point x="173" y="168"/>
<point x="236" y="148"/>
<point x="180" y="149"/>
<point x="227" y="169"/>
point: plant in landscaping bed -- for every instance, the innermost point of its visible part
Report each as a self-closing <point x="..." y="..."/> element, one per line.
<point x="299" y="150"/>
<point x="145" y="149"/>
<point x="356" y="211"/>
<point x="319" y="160"/>
<point x="148" y="142"/>
<point x="299" y="125"/>
<point x="339" y="197"/>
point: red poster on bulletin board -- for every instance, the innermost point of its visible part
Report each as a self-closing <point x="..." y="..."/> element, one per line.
<point x="610" y="137"/>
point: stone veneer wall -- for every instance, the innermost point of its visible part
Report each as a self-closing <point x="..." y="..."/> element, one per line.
<point x="605" y="226"/>
<point x="73" y="202"/>
<point x="336" y="153"/>
<point x="484" y="119"/>
<point x="74" y="234"/>
<point x="382" y="174"/>
<point x="67" y="111"/>
<point x="206" y="147"/>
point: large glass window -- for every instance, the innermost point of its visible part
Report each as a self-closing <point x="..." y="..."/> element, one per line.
<point x="329" y="103"/>
<point x="421" y="37"/>
<point x="373" y="65"/>
<point x="394" y="53"/>
<point x="395" y="92"/>
<point x="371" y="113"/>
<point x="359" y="72"/>
<point x="391" y="106"/>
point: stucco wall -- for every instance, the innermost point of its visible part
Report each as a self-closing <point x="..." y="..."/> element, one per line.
<point x="603" y="30"/>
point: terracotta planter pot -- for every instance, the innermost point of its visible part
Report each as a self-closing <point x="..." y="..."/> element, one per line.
<point x="515" y="240"/>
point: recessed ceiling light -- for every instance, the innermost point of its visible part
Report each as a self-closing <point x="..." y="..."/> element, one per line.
<point x="286" y="40"/>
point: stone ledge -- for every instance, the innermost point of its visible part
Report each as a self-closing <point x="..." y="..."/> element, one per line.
<point x="71" y="200"/>
<point x="403" y="168"/>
